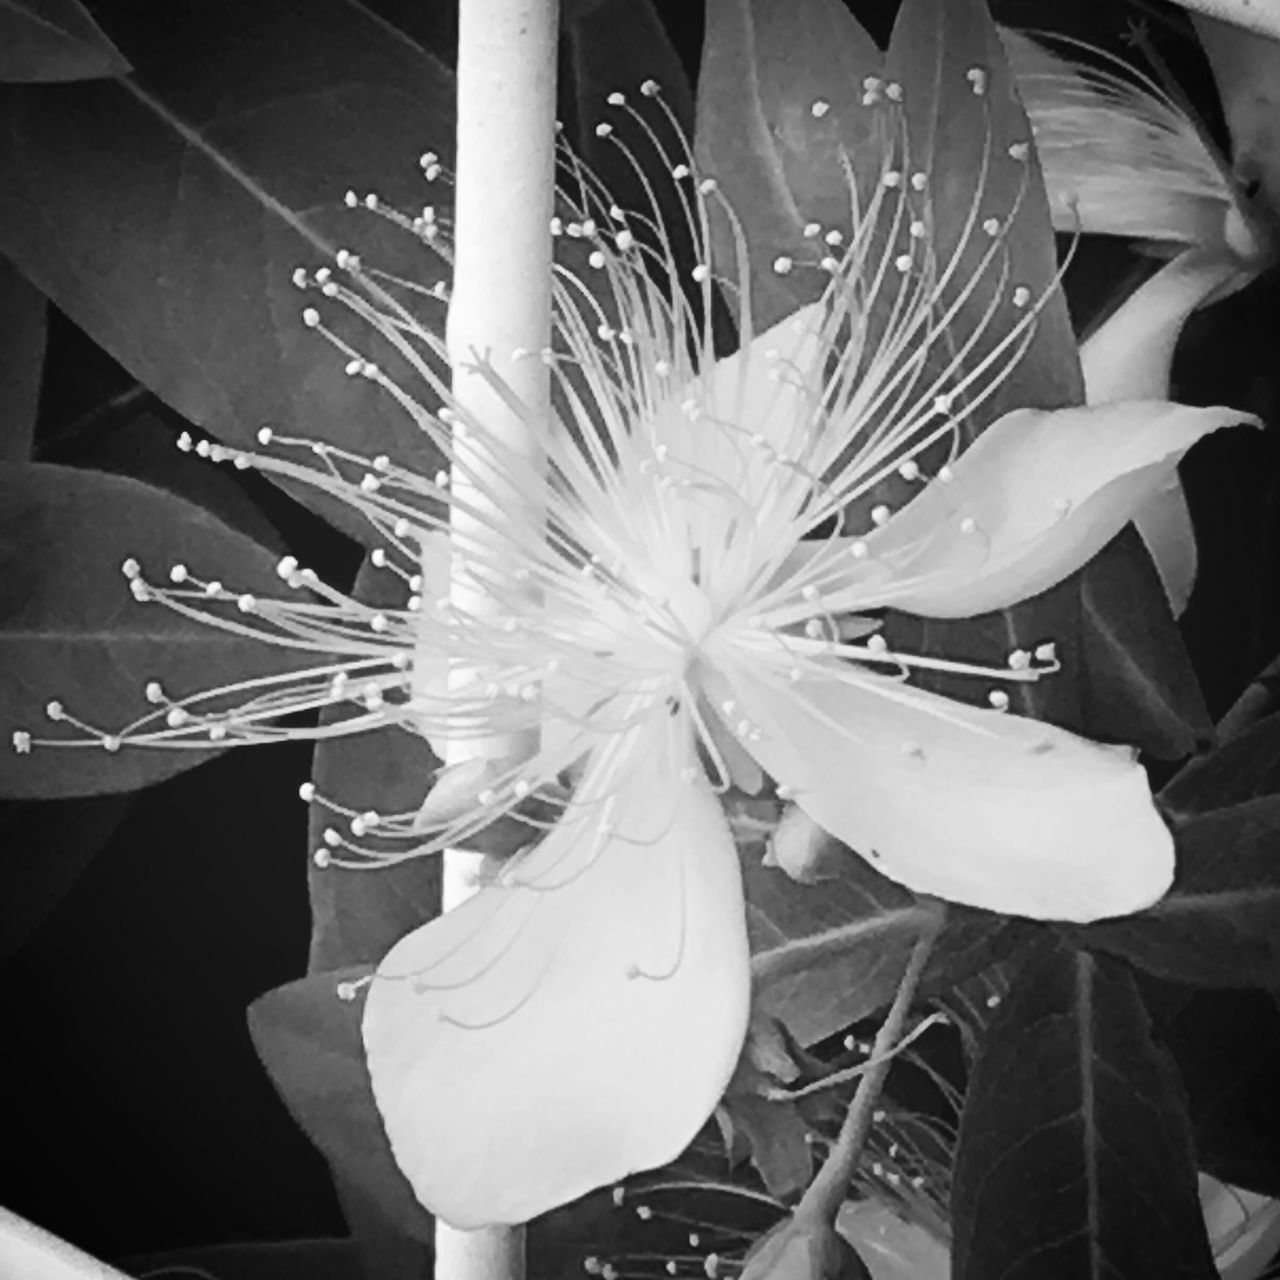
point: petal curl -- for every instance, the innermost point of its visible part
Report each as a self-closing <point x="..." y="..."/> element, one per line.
<point x="520" y="1046"/>
<point x="1033" y="500"/>
<point x="1130" y="356"/>
<point x="975" y="806"/>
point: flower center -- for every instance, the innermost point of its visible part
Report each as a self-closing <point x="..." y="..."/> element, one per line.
<point x="689" y="607"/>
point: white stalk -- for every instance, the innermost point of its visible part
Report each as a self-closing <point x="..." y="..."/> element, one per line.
<point x="1262" y="16"/>
<point x="500" y="307"/>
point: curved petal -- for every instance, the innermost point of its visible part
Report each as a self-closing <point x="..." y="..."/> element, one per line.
<point x="1130" y="356"/>
<point x="975" y="806"/>
<point x="1243" y="1227"/>
<point x="519" y="1046"/>
<point x="1035" y="498"/>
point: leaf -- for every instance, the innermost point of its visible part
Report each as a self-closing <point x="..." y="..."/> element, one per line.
<point x="963" y="118"/>
<point x="1138" y="683"/>
<point x="44" y="846"/>
<point x="54" y="40"/>
<point x="356" y="916"/>
<point x="1227" y="1046"/>
<point x="826" y="955"/>
<point x="23" y="321"/>
<point x="145" y="448"/>
<point x="1075" y="1159"/>
<point x="1219" y="925"/>
<point x="777" y="163"/>
<point x="1245" y="767"/>
<point x="175" y="251"/>
<point x="71" y="630"/>
<point x="309" y="1041"/>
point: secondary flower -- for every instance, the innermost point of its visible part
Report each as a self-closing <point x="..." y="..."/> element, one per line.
<point x="673" y="605"/>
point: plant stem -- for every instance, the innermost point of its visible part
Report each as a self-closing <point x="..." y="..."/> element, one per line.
<point x="500" y="305"/>
<point x="827" y="1192"/>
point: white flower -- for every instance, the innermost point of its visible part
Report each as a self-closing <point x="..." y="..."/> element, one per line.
<point x="671" y="606"/>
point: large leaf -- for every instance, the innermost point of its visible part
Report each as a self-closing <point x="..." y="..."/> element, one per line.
<point x="71" y="631"/>
<point x="54" y="40"/>
<point x="166" y="214"/>
<point x="1138" y="683"/>
<point x="1219" y="926"/>
<point x="1075" y="1159"/>
<point x="44" y="846"/>
<point x="828" y="954"/>
<point x="764" y="65"/>
<point x="23" y="315"/>
<point x="309" y="1041"/>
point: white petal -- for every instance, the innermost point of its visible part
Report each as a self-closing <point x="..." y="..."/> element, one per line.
<point x="523" y="1047"/>
<point x="1130" y="357"/>
<point x="975" y="806"/>
<point x="1118" y="156"/>
<point x="1243" y="1227"/>
<point x="1033" y="500"/>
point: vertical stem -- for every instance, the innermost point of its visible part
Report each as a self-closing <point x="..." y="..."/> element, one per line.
<point x="500" y="305"/>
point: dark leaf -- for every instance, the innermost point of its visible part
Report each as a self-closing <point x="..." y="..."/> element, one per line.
<point x="1219" y="926"/>
<point x="1075" y="1159"/>
<point x="965" y="128"/>
<point x="356" y="916"/>
<point x="276" y="1260"/>
<point x="764" y="65"/>
<point x="23" y="321"/>
<point x="828" y="954"/>
<point x="1138" y="683"/>
<point x="1227" y="1046"/>
<point x="44" y="846"/>
<point x="309" y="1041"/>
<point x="71" y="631"/>
<point x="1245" y="767"/>
<point x="145" y="448"/>
<point x="166" y="215"/>
<point x="1256" y="702"/>
<point x="54" y="40"/>
<point x="777" y="1139"/>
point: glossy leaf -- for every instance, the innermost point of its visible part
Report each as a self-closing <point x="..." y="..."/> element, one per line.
<point x="70" y="629"/>
<point x="44" y="846"/>
<point x="1219" y="926"/>
<point x="1075" y="1159"/>
<point x="175" y="250"/>
<point x="54" y="40"/>
<point x="23" y="321"/>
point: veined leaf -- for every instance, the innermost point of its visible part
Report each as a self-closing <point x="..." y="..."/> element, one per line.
<point x="71" y="631"/>
<point x="1219" y="926"/>
<point x="167" y="213"/>
<point x="1075" y="1159"/>
<point x="54" y="40"/>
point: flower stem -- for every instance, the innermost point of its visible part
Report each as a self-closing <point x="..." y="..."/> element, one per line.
<point x="500" y="306"/>
<point x="827" y="1192"/>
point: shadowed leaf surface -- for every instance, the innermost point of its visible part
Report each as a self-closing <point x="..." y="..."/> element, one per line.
<point x="54" y="40"/>
<point x="1075" y="1159"/>
<point x="1219" y="925"/>
<point x="166" y="214"/>
<point x="23" y="323"/>
<point x="70" y="629"/>
<point x="44" y="846"/>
